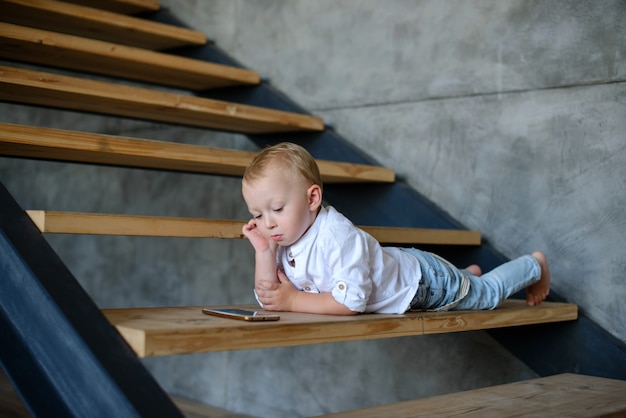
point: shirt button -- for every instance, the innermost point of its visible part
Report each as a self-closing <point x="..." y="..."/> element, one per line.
<point x="290" y="255"/>
<point x="342" y="286"/>
<point x="308" y="289"/>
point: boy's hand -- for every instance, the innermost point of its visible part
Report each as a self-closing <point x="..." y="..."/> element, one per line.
<point x="258" y="241"/>
<point x="277" y="296"/>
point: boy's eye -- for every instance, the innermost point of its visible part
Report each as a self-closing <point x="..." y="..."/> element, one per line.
<point x="256" y="216"/>
<point x="278" y="210"/>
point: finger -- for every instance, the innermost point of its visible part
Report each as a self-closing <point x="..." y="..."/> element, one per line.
<point x="266" y="285"/>
<point x="266" y="299"/>
<point x="250" y="225"/>
<point x="282" y="277"/>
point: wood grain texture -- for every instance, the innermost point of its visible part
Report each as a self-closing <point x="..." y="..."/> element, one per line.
<point x="11" y="405"/>
<point x="398" y="235"/>
<point x="52" y="222"/>
<point x="184" y="330"/>
<point x="564" y="395"/>
<point x="58" y="16"/>
<point x="76" y="53"/>
<point x="134" y="225"/>
<point x="121" y="6"/>
<point x="191" y="409"/>
<point x="47" y="89"/>
<point x="64" y="145"/>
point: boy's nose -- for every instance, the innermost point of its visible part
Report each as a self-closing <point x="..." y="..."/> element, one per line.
<point x="269" y="223"/>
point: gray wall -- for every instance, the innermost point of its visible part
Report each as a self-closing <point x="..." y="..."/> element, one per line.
<point x="511" y="115"/>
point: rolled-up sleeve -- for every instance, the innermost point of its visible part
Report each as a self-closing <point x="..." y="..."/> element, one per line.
<point x="348" y="264"/>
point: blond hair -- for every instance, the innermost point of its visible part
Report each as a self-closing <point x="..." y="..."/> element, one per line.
<point x="285" y="155"/>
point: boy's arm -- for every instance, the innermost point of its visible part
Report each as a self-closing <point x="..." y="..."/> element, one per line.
<point x="320" y="303"/>
<point x="264" y="254"/>
<point x="264" y="267"/>
<point x="284" y="296"/>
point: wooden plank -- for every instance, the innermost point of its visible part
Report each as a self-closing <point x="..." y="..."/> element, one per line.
<point x="180" y="330"/>
<point x="395" y="235"/>
<point x="63" y="145"/>
<point x="51" y="222"/>
<point x="508" y="313"/>
<point x="564" y="395"/>
<point x="191" y="409"/>
<point x="11" y="404"/>
<point x="72" y="52"/>
<point x="184" y="330"/>
<point x="131" y="225"/>
<point x="46" y="89"/>
<point x="58" y="16"/>
<point x="121" y="6"/>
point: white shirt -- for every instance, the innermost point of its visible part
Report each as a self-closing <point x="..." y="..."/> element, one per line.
<point x="336" y="257"/>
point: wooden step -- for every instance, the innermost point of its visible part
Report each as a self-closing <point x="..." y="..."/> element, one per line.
<point x="191" y="409"/>
<point x="73" y="19"/>
<point x="185" y="330"/>
<point x="75" y="53"/>
<point x="50" y="222"/>
<point x="121" y="6"/>
<point x="564" y="395"/>
<point x="12" y="406"/>
<point x="63" y="145"/>
<point x="47" y="89"/>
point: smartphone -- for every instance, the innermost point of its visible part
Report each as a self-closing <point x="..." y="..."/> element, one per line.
<point x="241" y="314"/>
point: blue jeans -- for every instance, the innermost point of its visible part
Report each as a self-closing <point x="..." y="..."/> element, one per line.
<point x="441" y="284"/>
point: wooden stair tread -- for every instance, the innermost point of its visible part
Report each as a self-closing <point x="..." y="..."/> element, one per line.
<point x="47" y="89"/>
<point x="67" y="51"/>
<point x="185" y="330"/>
<point x="12" y="406"/>
<point x="563" y="395"/>
<point x="89" y="22"/>
<point x="155" y="226"/>
<point x="191" y="409"/>
<point x="64" y="145"/>
<point x="121" y="6"/>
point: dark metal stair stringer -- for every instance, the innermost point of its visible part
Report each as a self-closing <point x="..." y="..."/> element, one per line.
<point x="59" y="351"/>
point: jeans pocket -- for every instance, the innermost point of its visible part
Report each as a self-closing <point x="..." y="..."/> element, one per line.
<point x="434" y="298"/>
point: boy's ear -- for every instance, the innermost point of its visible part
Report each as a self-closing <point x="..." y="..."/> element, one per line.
<point x="315" y="196"/>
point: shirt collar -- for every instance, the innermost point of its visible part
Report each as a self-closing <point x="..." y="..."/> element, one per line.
<point x="302" y="245"/>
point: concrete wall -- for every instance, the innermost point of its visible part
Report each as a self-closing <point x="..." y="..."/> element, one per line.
<point x="513" y="113"/>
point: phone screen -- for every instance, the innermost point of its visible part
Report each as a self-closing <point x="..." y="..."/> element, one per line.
<point x="242" y="314"/>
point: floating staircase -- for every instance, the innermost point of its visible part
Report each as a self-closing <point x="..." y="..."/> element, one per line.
<point x="131" y="71"/>
<point x="106" y="58"/>
<point x="101" y="24"/>
<point x="564" y="395"/>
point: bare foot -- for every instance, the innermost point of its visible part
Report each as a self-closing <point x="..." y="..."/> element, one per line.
<point x="474" y="270"/>
<point x="538" y="292"/>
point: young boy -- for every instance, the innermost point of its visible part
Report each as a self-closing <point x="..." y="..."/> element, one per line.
<point x="310" y="258"/>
